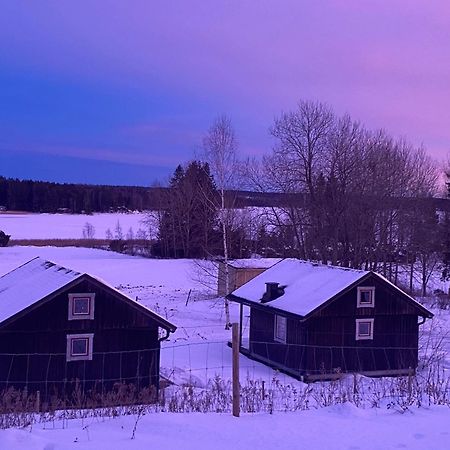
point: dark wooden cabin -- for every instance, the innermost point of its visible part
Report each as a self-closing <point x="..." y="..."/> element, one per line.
<point x="62" y="330"/>
<point x="315" y="321"/>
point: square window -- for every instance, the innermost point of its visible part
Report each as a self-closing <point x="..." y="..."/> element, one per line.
<point x="366" y="297"/>
<point x="81" y="306"/>
<point x="79" y="347"/>
<point x="280" y="329"/>
<point x="364" y="329"/>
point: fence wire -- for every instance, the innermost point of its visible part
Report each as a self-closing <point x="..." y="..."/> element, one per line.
<point x="196" y="363"/>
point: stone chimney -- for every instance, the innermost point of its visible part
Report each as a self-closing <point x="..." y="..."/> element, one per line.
<point x="273" y="291"/>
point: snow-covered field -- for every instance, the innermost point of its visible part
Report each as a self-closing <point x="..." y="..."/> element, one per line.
<point x="344" y="427"/>
<point x="197" y="352"/>
<point x="69" y="226"/>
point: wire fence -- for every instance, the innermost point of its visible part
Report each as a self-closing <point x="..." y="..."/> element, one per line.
<point x="197" y="376"/>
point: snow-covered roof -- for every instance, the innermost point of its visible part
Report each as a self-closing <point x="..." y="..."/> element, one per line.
<point x="37" y="279"/>
<point x="306" y="285"/>
<point x="30" y="283"/>
<point x="254" y="263"/>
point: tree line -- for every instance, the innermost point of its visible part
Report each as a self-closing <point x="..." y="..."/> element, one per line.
<point x="42" y="196"/>
<point x="48" y="197"/>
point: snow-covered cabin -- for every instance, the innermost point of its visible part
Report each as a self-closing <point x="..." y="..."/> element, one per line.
<point x="240" y="271"/>
<point x="315" y="321"/>
<point x="62" y="330"/>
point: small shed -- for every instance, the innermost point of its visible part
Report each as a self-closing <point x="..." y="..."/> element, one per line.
<point x="240" y="271"/>
<point x="61" y="330"/>
<point x="315" y="321"/>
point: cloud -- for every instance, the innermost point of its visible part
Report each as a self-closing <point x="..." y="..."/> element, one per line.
<point x="384" y="62"/>
<point x="119" y="155"/>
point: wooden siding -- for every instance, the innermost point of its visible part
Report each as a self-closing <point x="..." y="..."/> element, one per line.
<point x="262" y="342"/>
<point x="126" y="346"/>
<point x="236" y="277"/>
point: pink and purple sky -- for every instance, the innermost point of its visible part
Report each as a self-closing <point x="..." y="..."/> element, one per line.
<point x="120" y="92"/>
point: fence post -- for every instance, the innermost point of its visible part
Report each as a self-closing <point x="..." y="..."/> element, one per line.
<point x="410" y="375"/>
<point x="235" y="347"/>
<point x="38" y="401"/>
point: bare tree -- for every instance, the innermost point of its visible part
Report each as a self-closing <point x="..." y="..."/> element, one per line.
<point x="349" y="193"/>
<point x="88" y="231"/>
<point x="118" y="233"/>
<point x="219" y="147"/>
<point x="108" y="234"/>
<point x="302" y="141"/>
<point x="446" y="223"/>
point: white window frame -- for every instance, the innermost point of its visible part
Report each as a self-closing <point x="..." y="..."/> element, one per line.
<point x="277" y="336"/>
<point x="370" y="289"/>
<point x="364" y="337"/>
<point x="72" y="300"/>
<point x="90" y="345"/>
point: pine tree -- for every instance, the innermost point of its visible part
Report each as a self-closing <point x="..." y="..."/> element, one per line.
<point x="186" y="229"/>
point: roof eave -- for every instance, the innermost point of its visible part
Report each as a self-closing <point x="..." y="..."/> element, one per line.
<point x="263" y="306"/>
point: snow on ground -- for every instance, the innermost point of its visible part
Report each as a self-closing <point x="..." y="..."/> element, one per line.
<point x="343" y="427"/>
<point x="70" y="226"/>
<point x="197" y="352"/>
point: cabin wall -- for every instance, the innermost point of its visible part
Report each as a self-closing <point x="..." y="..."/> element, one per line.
<point x="125" y="346"/>
<point x="291" y="355"/>
<point x="333" y="348"/>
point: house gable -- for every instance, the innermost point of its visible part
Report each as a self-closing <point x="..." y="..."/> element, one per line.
<point x="37" y="282"/>
<point x="389" y="300"/>
<point x="115" y="325"/>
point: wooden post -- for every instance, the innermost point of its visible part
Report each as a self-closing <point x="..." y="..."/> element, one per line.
<point x="235" y="346"/>
<point x="410" y="375"/>
<point x="38" y="401"/>
<point x="241" y="317"/>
